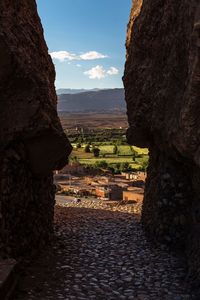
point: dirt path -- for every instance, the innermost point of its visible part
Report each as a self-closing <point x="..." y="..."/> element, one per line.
<point x="102" y="254"/>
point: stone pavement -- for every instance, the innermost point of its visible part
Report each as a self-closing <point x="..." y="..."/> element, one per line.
<point x="100" y="252"/>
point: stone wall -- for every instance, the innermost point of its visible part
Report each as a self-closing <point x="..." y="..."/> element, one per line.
<point x="162" y="83"/>
<point x="32" y="142"/>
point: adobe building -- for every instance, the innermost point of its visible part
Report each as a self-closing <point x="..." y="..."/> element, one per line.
<point x="116" y="193"/>
<point x="135" y="194"/>
<point x="102" y="192"/>
<point x="113" y="192"/>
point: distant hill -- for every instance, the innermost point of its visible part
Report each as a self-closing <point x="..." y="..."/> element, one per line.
<point x="93" y="101"/>
<point x="73" y="91"/>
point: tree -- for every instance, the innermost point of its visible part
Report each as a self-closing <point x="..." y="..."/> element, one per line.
<point x="78" y="146"/>
<point x="87" y="148"/>
<point x="102" y="164"/>
<point x="124" y="166"/>
<point x="144" y="165"/>
<point x="135" y="154"/>
<point x="115" y="149"/>
<point x="119" y="141"/>
<point x="118" y="166"/>
<point x="78" y="138"/>
<point x="96" y="152"/>
<point x="111" y="169"/>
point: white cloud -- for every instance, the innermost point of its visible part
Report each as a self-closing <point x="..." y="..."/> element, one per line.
<point x="92" y="55"/>
<point x="67" y="56"/>
<point x="78" y="65"/>
<point x="97" y="72"/>
<point x="63" y="56"/>
<point x="113" y="71"/>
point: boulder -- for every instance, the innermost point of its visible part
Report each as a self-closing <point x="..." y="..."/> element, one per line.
<point x="162" y="87"/>
<point x="32" y="141"/>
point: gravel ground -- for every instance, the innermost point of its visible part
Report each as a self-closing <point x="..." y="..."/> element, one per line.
<point x="100" y="252"/>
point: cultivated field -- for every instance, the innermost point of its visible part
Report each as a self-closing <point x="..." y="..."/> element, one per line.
<point x="94" y="121"/>
<point x="107" y="133"/>
<point x="123" y="156"/>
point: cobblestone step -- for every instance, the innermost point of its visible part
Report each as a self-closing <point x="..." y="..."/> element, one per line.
<point x="101" y="252"/>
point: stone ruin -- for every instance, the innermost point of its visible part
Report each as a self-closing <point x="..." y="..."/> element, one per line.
<point x="162" y="85"/>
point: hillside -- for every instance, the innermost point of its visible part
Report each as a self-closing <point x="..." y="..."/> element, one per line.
<point x="97" y="101"/>
<point x="73" y="91"/>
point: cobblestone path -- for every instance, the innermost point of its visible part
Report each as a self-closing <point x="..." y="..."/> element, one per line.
<point x="102" y="253"/>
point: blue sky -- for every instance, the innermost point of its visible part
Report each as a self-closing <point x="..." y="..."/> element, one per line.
<point x="86" y="39"/>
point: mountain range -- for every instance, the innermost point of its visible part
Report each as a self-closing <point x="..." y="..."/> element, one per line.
<point x="92" y="101"/>
<point x="73" y="91"/>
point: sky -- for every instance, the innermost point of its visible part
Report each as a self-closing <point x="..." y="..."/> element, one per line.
<point x="86" y="40"/>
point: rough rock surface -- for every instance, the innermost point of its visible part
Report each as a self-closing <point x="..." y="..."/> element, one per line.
<point x="162" y="83"/>
<point x="32" y="142"/>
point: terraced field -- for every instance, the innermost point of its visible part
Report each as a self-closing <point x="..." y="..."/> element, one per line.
<point x="107" y="132"/>
<point x="106" y="149"/>
<point x="124" y="154"/>
<point x="124" y="150"/>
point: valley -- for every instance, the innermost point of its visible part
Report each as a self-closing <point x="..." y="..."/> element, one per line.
<point x="99" y="142"/>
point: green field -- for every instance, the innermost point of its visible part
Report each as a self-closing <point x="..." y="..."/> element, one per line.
<point x="144" y="151"/>
<point x="107" y="132"/>
<point x="80" y="154"/>
<point x="134" y="157"/>
<point x="106" y="149"/>
<point x="109" y="160"/>
<point x="124" y="150"/>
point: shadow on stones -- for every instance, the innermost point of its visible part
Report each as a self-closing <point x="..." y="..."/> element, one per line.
<point x="103" y="254"/>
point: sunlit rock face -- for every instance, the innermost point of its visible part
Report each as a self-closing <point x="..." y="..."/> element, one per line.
<point x="32" y="142"/>
<point x="162" y="83"/>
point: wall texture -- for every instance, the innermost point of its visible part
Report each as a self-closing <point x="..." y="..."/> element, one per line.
<point x="162" y="83"/>
<point x="32" y="142"/>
